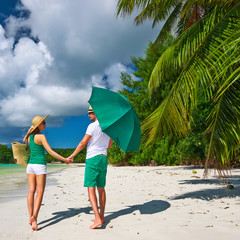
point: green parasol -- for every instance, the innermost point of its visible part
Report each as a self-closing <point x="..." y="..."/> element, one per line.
<point x="117" y="118"/>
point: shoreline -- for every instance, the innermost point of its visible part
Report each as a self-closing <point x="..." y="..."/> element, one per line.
<point x="142" y="203"/>
<point x="13" y="183"/>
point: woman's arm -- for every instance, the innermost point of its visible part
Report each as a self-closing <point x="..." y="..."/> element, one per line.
<point x="41" y="138"/>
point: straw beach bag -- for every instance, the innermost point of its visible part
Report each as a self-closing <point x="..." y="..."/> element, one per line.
<point x="21" y="153"/>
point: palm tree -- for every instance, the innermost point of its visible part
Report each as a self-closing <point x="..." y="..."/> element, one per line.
<point x="206" y="56"/>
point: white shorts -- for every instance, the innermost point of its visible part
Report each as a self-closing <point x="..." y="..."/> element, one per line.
<point x="36" y="169"/>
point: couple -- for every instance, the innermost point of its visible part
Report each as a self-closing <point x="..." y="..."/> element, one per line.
<point x="95" y="171"/>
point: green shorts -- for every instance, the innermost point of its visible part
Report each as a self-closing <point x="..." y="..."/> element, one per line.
<point x="96" y="171"/>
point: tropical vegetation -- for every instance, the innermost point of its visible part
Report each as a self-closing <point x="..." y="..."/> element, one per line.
<point x="205" y="60"/>
<point x="6" y="155"/>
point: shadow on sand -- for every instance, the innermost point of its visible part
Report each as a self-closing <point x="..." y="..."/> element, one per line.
<point x="214" y="193"/>
<point x="59" y="216"/>
<point x="152" y="207"/>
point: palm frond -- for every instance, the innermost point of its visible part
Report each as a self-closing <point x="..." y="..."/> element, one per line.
<point x="230" y="64"/>
<point x="172" y="107"/>
<point x="198" y="46"/>
<point x="184" y="52"/>
<point x="126" y="7"/>
<point x="168" y="25"/>
<point x="223" y="132"/>
<point x="156" y="10"/>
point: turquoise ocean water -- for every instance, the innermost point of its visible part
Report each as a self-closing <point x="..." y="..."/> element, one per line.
<point x="13" y="180"/>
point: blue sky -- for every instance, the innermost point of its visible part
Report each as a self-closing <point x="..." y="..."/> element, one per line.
<point x="52" y="53"/>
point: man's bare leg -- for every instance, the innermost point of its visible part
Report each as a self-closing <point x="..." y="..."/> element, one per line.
<point x="93" y="201"/>
<point x="102" y="202"/>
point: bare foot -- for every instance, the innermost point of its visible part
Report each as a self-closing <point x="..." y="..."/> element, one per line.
<point x="34" y="223"/>
<point x="30" y="221"/>
<point x="96" y="224"/>
<point x="103" y="220"/>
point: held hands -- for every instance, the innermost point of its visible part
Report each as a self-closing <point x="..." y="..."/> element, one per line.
<point x="69" y="160"/>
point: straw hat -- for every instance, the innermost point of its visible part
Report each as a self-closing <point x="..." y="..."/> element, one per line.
<point x="36" y="122"/>
<point x="90" y="110"/>
<point x="21" y="153"/>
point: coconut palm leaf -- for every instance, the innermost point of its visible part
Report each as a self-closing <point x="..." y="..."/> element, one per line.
<point x="231" y="61"/>
<point x="150" y="9"/>
<point x="223" y="132"/>
<point x="156" y="10"/>
<point x="126" y="7"/>
<point x="168" y="25"/>
<point x="188" y="50"/>
<point x="201" y="45"/>
<point x="192" y="11"/>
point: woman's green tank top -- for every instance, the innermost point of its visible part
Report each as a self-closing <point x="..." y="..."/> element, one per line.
<point x="37" y="152"/>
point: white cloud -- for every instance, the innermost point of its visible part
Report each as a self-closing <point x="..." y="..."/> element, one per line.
<point x="80" y="43"/>
<point x="85" y="36"/>
<point x="24" y="93"/>
<point x="113" y="72"/>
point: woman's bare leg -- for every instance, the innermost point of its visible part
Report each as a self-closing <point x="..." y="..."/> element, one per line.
<point x="30" y="196"/>
<point x="40" y="182"/>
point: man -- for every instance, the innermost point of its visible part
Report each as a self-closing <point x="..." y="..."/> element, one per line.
<point x="96" y="166"/>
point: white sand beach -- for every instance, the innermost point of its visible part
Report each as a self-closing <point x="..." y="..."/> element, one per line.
<point x="142" y="203"/>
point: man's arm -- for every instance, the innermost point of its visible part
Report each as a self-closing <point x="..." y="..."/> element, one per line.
<point x="81" y="145"/>
<point x="110" y="144"/>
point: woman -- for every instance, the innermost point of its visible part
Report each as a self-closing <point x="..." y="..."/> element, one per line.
<point x="36" y="168"/>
